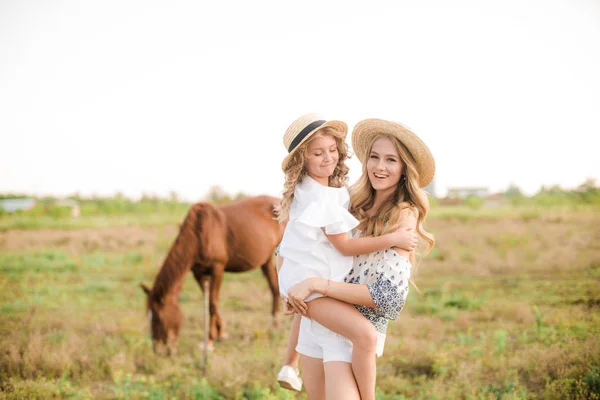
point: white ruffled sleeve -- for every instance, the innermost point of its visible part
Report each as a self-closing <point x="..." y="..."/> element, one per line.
<point x="333" y="217"/>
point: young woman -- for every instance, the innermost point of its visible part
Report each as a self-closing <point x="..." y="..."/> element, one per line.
<point x="388" y="196"/>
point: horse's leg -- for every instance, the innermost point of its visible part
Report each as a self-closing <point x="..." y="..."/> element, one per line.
<point x="201" y="277"/>
<point x="269" y="271"/>
<point x="217" y="325"/>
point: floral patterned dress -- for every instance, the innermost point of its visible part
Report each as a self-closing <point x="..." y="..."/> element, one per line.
<point x="386" y="275"/>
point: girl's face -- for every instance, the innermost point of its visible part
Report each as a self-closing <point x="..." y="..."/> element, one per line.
<point x="384" y="166"/>
<point x="321" y="158"/>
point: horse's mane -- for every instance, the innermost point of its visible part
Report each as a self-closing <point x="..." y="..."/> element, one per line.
<point x="184" y="251"/>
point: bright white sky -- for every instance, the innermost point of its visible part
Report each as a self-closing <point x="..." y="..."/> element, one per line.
<point x="150" y="97"/>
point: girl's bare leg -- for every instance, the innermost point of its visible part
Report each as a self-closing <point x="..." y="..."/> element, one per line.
<point x="339" y="381"/>
<point x="314" y="377"/>
<point x="291" y="355"/>
<point x="346" y="320"/>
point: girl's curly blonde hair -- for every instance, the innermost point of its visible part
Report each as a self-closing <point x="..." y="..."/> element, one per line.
<point x="295" y="170"/>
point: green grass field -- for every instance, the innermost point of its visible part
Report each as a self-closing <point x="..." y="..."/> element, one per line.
<point x="509" y="310"/>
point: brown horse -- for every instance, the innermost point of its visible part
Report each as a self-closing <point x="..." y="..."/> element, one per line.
<point x="234" y="237"/>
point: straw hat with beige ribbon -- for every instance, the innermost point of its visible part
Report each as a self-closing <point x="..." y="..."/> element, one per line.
<point x="303" y="129"/>
<point x="365" y="131"/>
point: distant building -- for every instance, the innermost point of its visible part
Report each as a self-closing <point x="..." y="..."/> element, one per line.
<point x="75" y="211"/>
<point x="464" y="192"/>
<point x="496" y="199"/>
<point x="12" y="205"/>
<point x="449" y="202"/>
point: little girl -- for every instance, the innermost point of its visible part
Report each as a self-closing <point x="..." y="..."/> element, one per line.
<point x="317" y="244"/>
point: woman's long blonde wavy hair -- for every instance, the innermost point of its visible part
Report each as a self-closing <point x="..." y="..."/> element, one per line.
<point x="389" y="216"/>
<point x="296" y="171"/>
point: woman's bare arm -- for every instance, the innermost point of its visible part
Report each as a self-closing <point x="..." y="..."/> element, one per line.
<point x="347" y="292"/>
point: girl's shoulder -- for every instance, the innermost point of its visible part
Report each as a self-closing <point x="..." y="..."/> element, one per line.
<point x="309" y="191"/>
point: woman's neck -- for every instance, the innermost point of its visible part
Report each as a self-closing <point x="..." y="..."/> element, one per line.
<point x="379" y="198"/>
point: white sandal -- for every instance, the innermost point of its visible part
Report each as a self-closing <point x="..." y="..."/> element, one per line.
<point x="288" y="378"/>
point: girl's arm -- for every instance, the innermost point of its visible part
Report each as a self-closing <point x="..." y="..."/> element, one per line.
<point x="402" y="238"/>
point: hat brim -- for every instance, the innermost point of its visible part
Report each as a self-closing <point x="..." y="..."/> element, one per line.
<point x="336" y="125"/>
<point x="366" y="130"/>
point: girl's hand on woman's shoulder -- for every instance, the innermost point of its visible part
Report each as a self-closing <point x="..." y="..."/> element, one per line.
<point x="408" y="226"/>
<point x="405" y="238"/>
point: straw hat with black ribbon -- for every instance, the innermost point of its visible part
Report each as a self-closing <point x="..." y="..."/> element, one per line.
<point x="365" y="131"/>
<point x="303" y="129"/>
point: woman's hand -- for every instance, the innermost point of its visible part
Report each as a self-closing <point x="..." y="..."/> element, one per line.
<point x="299" y="292"/>
<point x="405" y="238"/>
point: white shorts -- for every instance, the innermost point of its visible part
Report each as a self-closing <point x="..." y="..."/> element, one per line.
<point x="316" y="341"/>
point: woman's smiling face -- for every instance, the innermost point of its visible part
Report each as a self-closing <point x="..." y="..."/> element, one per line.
<point x="384" y="166"/>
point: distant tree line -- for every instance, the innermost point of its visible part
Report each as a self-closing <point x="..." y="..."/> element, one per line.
<point x="217" y="195"/>
<point x="117" y="204"/>
<point x="588" y="193"/>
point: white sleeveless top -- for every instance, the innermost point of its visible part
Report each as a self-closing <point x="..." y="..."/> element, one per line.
<point x="306" y="250"/>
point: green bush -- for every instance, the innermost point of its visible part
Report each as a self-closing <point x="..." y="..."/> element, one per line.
<point x="474" y="202"/>
<point x="592" y="380"/>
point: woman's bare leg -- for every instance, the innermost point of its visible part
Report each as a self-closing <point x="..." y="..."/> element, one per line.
<point x="346" y="320"/>
<point x="291" y="355"/>
<point x="314" y="377"/>
<point x="339" y="381"/>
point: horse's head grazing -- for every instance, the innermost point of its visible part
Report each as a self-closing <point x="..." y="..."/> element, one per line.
<point x="164" y="317"/>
